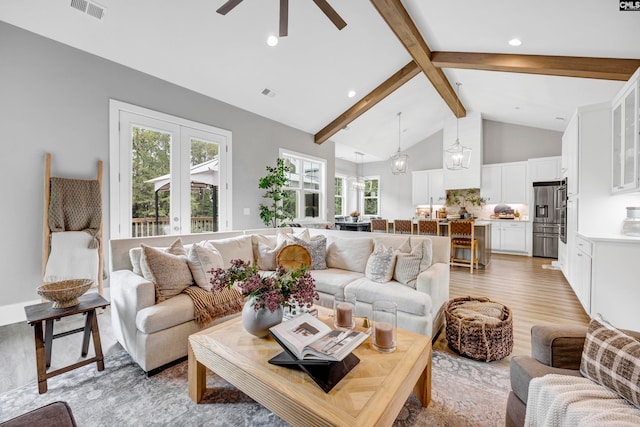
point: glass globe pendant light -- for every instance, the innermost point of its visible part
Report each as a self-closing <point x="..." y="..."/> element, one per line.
<point x="400" y="160"/>
<point x="457" y="156"/>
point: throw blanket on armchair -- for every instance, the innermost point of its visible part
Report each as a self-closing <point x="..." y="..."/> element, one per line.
<point x="76" y="205"/>
<point x="563" y="400"/>
<point x="209" y="306"/>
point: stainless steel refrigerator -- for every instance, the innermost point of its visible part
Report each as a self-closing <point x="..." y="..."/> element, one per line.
<point x="547" y="218"/>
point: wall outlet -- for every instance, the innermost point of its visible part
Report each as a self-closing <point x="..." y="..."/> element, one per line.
<point x="247" y="211"/>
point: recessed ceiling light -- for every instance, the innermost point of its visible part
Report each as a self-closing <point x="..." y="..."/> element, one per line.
<point x="351" y="93"/>
<point x="515" y="42"/>
<point x="272" y="40"/>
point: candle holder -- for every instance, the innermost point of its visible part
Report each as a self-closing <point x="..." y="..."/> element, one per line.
<point x="344" y="312"/>
<point x="384" y="326"/>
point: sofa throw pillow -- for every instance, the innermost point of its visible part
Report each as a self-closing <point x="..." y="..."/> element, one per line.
<point x="612" y="359"/>
<point x="317" y="247"/>
<point x="202" y="258"/>
<point x="397" y="242"/>
<point x="256" y="239"/>
<point x="239" y="247"/>
<point x="408" y="266"/>
<point x="135" y="256"/>
<point x="266" y="259"/>
<point x="170" y="273"/>
<point x="350" y="254"/>
<point x="293" y="256"/>
<point x="176" y="248"/>
<point x="290" y="233"/>
<point x="427" y="254"/>
<point x="380" y="264"/>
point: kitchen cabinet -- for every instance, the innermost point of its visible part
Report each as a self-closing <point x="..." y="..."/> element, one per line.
<point x="509" y="236"/>
<point x="570" y="154"/>
<point x="504" y="183"/>
<point x="581" y="282"/>
<point x="428" y="184"/>
<point x="545" y="169"/>
<point x="625" y="129"/>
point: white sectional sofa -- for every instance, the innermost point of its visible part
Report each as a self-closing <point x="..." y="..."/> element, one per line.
<point x="155" y="334"/>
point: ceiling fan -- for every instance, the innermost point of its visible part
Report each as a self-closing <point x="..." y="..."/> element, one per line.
<point x="324" y="6"/>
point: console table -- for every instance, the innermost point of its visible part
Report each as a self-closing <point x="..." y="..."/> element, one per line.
<point x="354" y="226"/>
<point x="38" y="314"/>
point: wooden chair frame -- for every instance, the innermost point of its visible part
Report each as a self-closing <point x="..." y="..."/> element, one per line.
<point x="462" y="236"/>
<point x="379" y="225"/>
<point x="402" y="226"/>
<point x="429" y="226"/>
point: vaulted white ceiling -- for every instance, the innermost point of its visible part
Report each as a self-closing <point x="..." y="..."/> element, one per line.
<point x="311" y="70"/>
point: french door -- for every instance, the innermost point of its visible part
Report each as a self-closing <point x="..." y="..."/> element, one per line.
<point x="168" y="175"/>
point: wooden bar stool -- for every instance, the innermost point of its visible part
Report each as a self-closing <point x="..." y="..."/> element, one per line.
<point x="379" y="225"/>
<point x="461" y="234"/>
<point x="403" y="226"/>
<point x="429" y="226"/>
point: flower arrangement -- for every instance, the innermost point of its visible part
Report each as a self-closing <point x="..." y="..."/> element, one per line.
<point x="268" y="291"/>
<point x="354" y="213"/>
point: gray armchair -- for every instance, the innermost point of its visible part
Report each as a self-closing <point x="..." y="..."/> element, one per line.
<point x="554" y="350"/>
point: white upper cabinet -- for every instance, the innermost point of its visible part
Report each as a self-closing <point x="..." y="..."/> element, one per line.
<point x="625" y="129"/>
<point x="426" y="185"/>
<point x="504" y="183"/>
<point x="545" y="169"/>
<point x="570" y="155"/>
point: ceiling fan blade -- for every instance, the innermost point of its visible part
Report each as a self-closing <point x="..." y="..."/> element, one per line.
<point x="284" y="18"/>
<point x="331" y="13"/>
<point x="226" y="8"/>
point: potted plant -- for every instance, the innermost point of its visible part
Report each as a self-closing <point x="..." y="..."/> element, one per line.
<point x="274" y="183"/>
<point x="355" y="215"/>
<point x="267" y="294"/>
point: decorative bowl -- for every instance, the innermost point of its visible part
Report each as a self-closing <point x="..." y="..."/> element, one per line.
<point x="64" y="293"/>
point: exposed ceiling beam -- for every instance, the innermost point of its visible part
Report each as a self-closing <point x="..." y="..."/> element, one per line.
<point x="407" y="72"/>
<point x="569" y="66"/>
<point x="398" y="19"/>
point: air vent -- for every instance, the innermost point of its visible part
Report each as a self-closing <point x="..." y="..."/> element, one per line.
<point x="88" y="7"/>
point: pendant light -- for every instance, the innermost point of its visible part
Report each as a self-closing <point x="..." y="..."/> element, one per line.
<point x="399" y="160"/>
<point x="358" y="181"/>
<point x="457" y="156"/>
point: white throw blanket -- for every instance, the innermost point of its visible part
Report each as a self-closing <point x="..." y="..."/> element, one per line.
<point x="565" y="401"/>
<point x="71" y="257"/>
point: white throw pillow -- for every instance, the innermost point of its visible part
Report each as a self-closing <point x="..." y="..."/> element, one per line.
<point x="299" y="232"/>
<point x="349" y="254"/>
<point x="397" y="242"/>
<point x="380" y="264"/>
<point x="202" y="258"/>
<point x="234" y="248"/>
<point x="266" y="259"/>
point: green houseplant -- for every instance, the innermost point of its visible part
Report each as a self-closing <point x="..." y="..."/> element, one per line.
<point x="464" y="198"/>
<point x="274" y="182"/>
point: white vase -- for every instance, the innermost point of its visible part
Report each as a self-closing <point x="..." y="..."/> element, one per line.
<point x="258" y="322"/>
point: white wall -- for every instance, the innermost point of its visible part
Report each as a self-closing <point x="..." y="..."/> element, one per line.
<point x="505" y="142"/>
<point x="54" y="98"/>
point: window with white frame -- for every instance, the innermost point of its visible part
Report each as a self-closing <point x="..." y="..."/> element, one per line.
<point x="340" y="205"/>
<point x="306" y="191"/>
<point x="371" y="196"/>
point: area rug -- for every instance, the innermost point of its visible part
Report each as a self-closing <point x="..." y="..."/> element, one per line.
<point x="464" y="393"/>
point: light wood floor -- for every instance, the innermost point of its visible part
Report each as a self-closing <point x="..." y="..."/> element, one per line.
<point x="535" y="296"/>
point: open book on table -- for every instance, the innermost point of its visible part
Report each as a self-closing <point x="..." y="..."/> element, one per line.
<point x="310" y="339"/>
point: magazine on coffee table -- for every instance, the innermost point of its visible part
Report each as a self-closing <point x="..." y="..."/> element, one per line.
<point x="310" y="339"/>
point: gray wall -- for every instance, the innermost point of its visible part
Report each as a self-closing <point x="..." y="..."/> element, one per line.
<point x="504" y="142"/>
<point x="54" y="98"/>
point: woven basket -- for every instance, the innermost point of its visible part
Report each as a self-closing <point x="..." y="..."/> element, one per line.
<point x="476" y="339"/>
<point x="64" y="293"/>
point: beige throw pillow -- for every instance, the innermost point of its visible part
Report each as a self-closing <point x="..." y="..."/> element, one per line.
<point x="408" y="266"/>
<point x="202" y="258"/>
<point x="176" y="248"/>
<point x="612" y="359"/>
<point x="169" y="273"/>
<point x="267" y="256"/>
<point x="350" y="254"/>
<point x="234" y="248"/>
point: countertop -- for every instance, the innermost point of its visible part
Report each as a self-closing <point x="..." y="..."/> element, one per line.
<point x="610" y="237"/>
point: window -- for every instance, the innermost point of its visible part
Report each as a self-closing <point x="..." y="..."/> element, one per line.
<point x="371" y="196"/>
<point x="168" y="175"/>
<point x="306" y="190"/>
<point x="339" y="192"/>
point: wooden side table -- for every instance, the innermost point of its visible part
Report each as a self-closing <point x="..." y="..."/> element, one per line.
<point x="39" y="313"/>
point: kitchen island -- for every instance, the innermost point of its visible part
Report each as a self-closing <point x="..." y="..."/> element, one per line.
<point x="482" y="232"/>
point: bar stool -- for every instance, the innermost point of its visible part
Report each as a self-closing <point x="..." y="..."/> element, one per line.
<point x="461" y="234"/>
<point x="379" y="225"/>
<point x="429" y="226"/>
<point x="403" y="226"/>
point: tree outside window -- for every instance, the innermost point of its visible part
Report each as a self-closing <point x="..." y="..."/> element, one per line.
<point x="339" y="206"/>
<point x="371" y="196"/>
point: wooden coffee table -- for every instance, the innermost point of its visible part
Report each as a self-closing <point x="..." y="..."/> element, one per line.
<point x="373" y="393"/>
